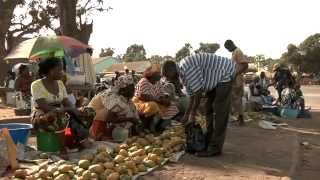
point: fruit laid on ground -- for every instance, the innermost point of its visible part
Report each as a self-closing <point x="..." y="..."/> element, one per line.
<point x="96" y="168"/>
<point x="84" y="164"/>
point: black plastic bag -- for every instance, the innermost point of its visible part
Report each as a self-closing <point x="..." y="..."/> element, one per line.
<point x="196" y="139"/>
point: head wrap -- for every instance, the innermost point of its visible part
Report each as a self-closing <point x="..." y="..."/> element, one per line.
<point x="123" y="81"/>
<point x="152" y="70"/>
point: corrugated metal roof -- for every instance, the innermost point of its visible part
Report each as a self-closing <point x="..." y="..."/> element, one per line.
<point x="104" y="62"/>
<point x="138" y="66"/>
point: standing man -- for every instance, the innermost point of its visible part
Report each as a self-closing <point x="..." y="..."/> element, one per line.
<point x="237" y="87"/>
<point x="210" y="74"/>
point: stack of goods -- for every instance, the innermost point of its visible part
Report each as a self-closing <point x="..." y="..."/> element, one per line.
<point x="136" y="155"/>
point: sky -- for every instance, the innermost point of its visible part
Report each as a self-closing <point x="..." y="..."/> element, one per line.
<point x="164" y="26"/>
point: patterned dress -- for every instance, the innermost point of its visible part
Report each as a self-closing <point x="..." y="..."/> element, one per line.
<point x="152" y="108"/>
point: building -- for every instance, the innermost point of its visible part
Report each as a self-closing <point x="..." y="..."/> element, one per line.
<point x="102" y="63"/>
<point x="138" y="66"/>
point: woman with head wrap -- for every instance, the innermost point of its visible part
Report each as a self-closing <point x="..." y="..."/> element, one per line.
<point x="151" y="100"/>
<point x="113" y="107"/>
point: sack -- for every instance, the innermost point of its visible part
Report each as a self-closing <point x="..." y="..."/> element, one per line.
<point x="8" y="151"/>
<point x="196" y="139"/>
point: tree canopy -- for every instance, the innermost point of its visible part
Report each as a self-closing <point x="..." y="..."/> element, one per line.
<point x="208" y="48"/>
<point x="306" y="56"/>
<point x="135" y="52"/>
<point x="184" y="52"/>
<point x="19" y="18"/>
<point x="106" y="52"/>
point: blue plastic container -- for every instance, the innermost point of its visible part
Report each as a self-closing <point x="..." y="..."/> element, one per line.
<point x="19" y="131"/>
<point x="289" y="113"/>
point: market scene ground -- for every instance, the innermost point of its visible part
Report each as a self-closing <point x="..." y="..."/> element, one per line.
<point x="252" y="153"/>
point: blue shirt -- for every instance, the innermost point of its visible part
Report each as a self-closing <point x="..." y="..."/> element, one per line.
<point x="203" y="71"/>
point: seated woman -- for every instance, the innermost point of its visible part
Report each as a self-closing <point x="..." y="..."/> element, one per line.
<point x="259" y="94"/>
<point x="113" y="107"/>
<point x="23" y="83"/>
<point x="51" y="102"/>
<point x="172" y="85"/>
<point x="152" y="103"/>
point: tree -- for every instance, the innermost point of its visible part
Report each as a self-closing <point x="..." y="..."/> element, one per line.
<point x="208" y="48"/>
<point x="106" y="52"/>
<point x="74" y="16"/>
<point x="184" y="52"/>
<point x="305" y="57"/>
<point x="19" y="18"/>
<point x="135" y="52"/>
<point x="156" y="59"/>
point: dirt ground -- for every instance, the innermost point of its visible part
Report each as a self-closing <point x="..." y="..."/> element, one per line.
<point x="252" y="153"/>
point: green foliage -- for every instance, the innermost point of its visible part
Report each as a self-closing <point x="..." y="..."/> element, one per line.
<point x="20" y="18"/>
<point x="156" y="59"/>
<point x="184" y="52"/>
<point x="135" y="52"/>
<point x="208" y="48"/>
<point x="106" y="52"/>
<point x="262" y="62"/>
<point x="305" y="57"/>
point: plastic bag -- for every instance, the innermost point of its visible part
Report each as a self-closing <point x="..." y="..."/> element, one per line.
<point x="196" y="139"/>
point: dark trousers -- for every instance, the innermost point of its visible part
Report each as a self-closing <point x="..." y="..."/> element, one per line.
<point x="218" y="103"/>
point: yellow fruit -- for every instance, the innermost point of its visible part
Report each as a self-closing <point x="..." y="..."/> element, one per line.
<point x="138" y="159"/>
<point x="84" y="164"/>
<point x="130" y="164"/>
<point x="108" y="165"/>
<point x="62" y="177"/>
<point x="124" y="146"/>
<point x="114" y="176"/>
<point x="96" y="168"/>
<point x="133" y="148"/>
<point x="65" y="168"/>
<point x="153" y="157"/>
<point x="149" y="163"/>
<point x="142" y="168"/>
<point x="20" y="173"/>
<point x="123" y="152"/>
<point x="148" y="149"/>
<point x="119" y="159"/>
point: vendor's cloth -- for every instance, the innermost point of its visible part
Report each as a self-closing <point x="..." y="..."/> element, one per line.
<point x="151" y="108"/>
<point x="111" y="101"/>
<point x="175" y="93"/>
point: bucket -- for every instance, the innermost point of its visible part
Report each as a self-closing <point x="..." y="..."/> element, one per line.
<point x="50" y="141"/>
<point x="289" y="113"/>
<point x="19" y="131"/>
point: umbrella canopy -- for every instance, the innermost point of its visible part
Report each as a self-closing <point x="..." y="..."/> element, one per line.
<point x="46" y="46"/>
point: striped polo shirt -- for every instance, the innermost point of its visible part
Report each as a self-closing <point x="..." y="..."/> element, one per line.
<point x="203" y="71"/>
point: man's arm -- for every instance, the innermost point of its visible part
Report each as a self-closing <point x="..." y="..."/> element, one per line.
<point x="192" y="107"/>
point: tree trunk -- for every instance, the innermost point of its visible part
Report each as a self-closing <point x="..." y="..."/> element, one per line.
<point x="68" y="23"/>
<point x="6" y="14"/>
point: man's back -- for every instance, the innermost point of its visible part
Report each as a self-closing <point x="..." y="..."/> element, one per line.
<point x="205" y="70"/>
